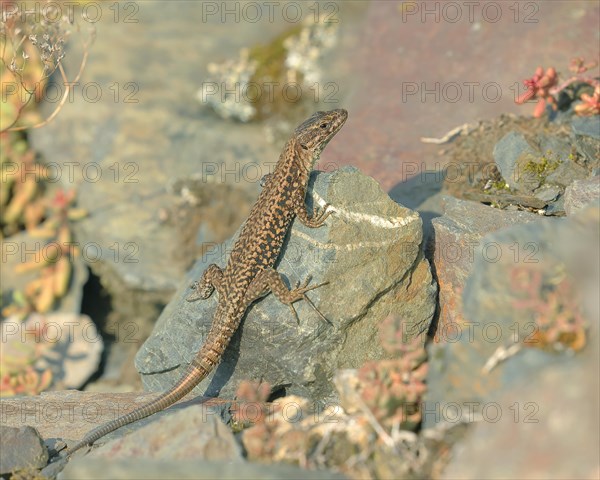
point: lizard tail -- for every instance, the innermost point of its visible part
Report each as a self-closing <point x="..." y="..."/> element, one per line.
<point x="194" y="374"/>
<point x="192" y="377"/>
<point x="206" y="359"/>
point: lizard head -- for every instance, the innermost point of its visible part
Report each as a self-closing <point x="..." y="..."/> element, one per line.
<point x="313" y="134"/>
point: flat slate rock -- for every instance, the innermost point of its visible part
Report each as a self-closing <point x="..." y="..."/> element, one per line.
<point x="134" y="469"/>
<point x="70" y="414"/>
<point x="191" y="433"/>
<point x="369" y="252"/>
<point x="527" y="163"/>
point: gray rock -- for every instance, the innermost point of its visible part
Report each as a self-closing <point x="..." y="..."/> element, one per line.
<point x="52" y="470"/>
<point x="54" y="446"/>
<point x="588" y="126"/>
<point x="556" y="146"/>
<point x="530" y="163"/>
<point x="369" y="251"/>
<point x="565" y="173"/>
<point x="533" y="291"/>
<point x="556" y="150"/>
<point x="21" y="448"/>
<point x="580" y="193"/>
<point x="547" y="413"/>
<point x="586" y="139"/>
<point x="547" y="193"/>
<point x="557" y="207"/>
<point x="185" y="434"/>
<point x="507" y="152"/>
<point x="70" y="414"/>
<point x="457" y="234"/>
<point x="134" y="469"/>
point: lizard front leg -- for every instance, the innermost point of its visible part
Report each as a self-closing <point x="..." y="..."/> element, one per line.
<point x="211" y="279"/>
<point x="318" y="217"/>
<point x="271" y="281"/>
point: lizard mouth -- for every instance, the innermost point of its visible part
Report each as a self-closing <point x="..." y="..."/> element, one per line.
<point x="340" y="116"/>
<point x="342" y="113"/>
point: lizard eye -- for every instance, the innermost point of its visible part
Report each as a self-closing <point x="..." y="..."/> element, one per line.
<point x="323" y="125"/>
<point x="304" y="146"/>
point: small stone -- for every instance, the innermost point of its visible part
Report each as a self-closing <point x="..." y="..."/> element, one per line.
<point x="52" y="470"/>
<point x="21" y="448"/>
<point x="580" y="193"/>
<point x="547" y="193"/>
<point x="557" y="207"/>
<point x="507" y="153"/>
<point x="588" y="126"/>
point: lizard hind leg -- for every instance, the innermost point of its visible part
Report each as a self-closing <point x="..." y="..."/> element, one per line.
<point x="300" y="291"/>
<point x="270" y="280"/>
<point x="211" y="279"/>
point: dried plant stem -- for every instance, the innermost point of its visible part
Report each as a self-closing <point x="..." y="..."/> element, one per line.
<point x="63" y="100"/>
<point x="502" y="353"/>
<point x="460" y="130"/>
<point x="385" y="437"/>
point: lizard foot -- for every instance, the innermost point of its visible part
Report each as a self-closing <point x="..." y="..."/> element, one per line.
<point x="202" y="289"/>
<point x="299" y="293"/>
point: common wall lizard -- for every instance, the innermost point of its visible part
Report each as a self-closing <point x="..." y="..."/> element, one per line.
<point x="250" y="272"/>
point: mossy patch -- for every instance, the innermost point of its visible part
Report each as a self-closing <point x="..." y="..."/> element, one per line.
<point x="498" y="185"/>
<point x="542" y="168"/>
<point x="270" y="58"/>
<point x="271" y="69"/>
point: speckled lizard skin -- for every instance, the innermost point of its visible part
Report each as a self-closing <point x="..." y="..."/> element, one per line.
<point x="250" y="272"/>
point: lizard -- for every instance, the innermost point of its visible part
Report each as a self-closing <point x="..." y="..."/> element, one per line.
<point x="249" y="273"/>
